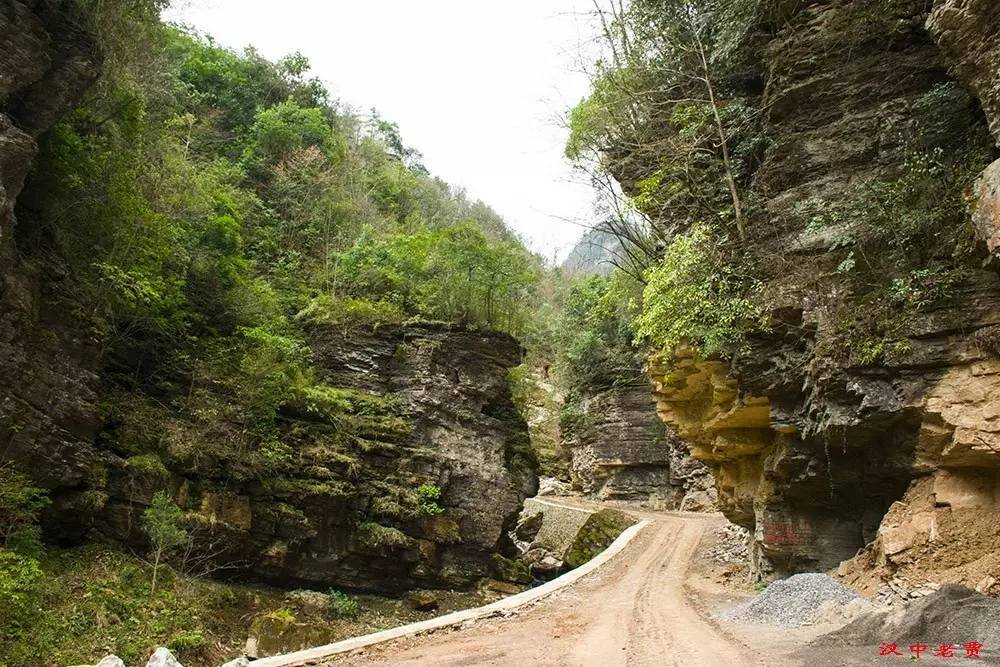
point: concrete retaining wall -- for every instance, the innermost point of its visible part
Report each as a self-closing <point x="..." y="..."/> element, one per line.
<point x="560" y="523"/>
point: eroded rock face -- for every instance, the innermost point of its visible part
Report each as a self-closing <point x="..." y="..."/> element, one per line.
<point x="466" y="433"/>
<point x="809" y="451"/>
<point x="47" y="359"/>
<point x="621" y="451"/>
<point x="966" y="32"/>
<point x="353" y="520"/>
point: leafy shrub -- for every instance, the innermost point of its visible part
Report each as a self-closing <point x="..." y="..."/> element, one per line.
<point x="351" y="312"/>
<point x="20" y="503"/>
<point x="429" y="495"/>
<point x="693" y="296"/>
<point x="162" y="524"/>
<point x="19" y="577"/>
<point x="187" y="642"/>
<point x="275" y="453"/>
<point x="342" y="605"/>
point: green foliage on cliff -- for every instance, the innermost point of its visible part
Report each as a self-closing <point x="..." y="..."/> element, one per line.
<point x="429" y="495"/>
<point x="694" y="296"/>
<point x="212" y="208"/>
<point x="594" y="338"/>
<point x="677" y="116"/>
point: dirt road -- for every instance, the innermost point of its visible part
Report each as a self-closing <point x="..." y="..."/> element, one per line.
<point x="633" y="611"/>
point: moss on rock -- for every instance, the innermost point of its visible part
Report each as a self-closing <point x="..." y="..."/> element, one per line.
<point x="599" y="531"/>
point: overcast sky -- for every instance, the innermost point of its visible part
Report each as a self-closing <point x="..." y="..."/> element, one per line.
<point x="477" y="87"/>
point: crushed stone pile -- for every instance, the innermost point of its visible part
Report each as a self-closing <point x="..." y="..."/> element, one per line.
<point x="802" y="599"/>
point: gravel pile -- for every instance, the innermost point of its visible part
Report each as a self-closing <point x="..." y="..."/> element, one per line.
<point x="799" y="600"/>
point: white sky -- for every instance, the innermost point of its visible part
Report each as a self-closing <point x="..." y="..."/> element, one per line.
<point x="478" y="87"/>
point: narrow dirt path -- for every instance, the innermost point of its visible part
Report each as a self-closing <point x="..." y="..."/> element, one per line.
<point x="633" y="611"/>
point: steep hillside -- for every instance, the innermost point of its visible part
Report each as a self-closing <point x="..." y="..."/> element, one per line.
<point x="243" y="331"/>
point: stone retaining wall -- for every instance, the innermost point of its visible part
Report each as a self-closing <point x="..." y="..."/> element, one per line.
<point x="560" y="523"/>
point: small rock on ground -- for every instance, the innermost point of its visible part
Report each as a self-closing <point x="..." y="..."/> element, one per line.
<point x="422" y="601"/>
<point x="732" y="545"/>
<point x="163" y="658"/>
<point x="550" y="486"/>
<point x="110" y="661"/>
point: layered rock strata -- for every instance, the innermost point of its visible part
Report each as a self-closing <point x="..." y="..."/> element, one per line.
<point x="621" y="451"/>
<point x="809" y="450"/>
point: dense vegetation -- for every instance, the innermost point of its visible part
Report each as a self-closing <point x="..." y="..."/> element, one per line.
<point x="208" y="208"/>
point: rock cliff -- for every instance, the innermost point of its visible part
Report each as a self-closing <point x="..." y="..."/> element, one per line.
<point x="811" y="449"/>
<point x="621" y="451"/>
<point x="48" y="361"/>
<point x="414" y="485"/>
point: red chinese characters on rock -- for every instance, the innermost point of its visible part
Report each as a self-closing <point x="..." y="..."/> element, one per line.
<point x="973" y="650"/>
<point x="781" y="532"/>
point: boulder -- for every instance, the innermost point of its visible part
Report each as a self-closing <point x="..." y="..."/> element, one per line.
<point x="110" y="661"/>
<point x="310" y="603"/>
<point x="281" y="632"/>
<point x="528" y="526"/>
<point x="550" y="486"/>
<point x="503" y="587"/>
<point x="542" y="563"/>
<point x="513" y="570"/>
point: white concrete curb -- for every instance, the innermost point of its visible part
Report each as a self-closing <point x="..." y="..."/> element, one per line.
<point x="310" y="656"/>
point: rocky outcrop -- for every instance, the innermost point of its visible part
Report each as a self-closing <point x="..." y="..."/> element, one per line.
<point x="621" y="451"/>
<point x="810" y="449"/>
<point x="466" y="435"/>
<point x="966" y="32"/>
<point x="413" y="487"/>
<point x="48" y="398"/>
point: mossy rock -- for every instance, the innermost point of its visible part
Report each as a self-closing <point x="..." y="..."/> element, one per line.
<point x="594" y="536"/>
<point x="280" y="632"/>
<point x="513" y="570"/>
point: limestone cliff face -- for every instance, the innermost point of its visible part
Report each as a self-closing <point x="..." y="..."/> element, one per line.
<point x="47" y="360"/>
<point x="465" y="435"/>
<point x="621" y="451"/>
<point x="810" y="451"/>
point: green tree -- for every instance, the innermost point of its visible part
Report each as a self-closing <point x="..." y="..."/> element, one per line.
<point x="162" y="524"/>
